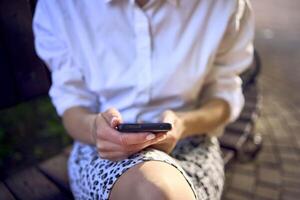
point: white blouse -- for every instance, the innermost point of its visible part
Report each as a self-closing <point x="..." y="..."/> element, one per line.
<point x="170" y="54"/>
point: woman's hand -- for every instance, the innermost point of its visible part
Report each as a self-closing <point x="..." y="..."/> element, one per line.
<point x="174" y="135"/>
<point x="113" y="145"/>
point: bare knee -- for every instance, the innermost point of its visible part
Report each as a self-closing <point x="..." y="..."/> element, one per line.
<point x="146" y="189"/>
<point x="152" y="180"/>
<point x="136" y="184"/>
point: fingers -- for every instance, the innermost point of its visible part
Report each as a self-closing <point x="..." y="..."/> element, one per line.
<point x="112" y="144"/>
<point x="168" y="117"/>
<point x="113" y="117"/>
<point x="135" y="138"/>
<point x="114" y="152"/>
<point x="111" y="134"/>
<point x="107" y="146"/>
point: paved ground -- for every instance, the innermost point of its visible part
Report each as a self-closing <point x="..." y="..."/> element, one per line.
<point x="275" y="174"/>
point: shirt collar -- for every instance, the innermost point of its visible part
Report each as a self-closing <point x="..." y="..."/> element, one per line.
<point x="173" y="2"/>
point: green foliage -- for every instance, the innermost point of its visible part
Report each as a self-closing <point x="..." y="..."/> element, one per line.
<point x="30" y="132"/>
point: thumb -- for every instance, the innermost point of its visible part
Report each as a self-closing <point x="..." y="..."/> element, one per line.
<point x="113" y="117"/>
<point x="167" y="116"/>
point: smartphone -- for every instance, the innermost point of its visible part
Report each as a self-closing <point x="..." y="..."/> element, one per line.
<point x="144" y="127"/>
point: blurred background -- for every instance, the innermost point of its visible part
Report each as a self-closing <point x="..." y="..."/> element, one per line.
<point x="31" y="132"/>
<point x="275" y="174"/>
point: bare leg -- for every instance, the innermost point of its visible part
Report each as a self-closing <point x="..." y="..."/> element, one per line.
<point x="152" y="180"/>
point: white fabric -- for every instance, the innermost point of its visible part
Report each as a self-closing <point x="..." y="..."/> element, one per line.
<point x="142" y="61"/>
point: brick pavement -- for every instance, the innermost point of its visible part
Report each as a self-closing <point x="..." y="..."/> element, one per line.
<point x="275" y="174"/>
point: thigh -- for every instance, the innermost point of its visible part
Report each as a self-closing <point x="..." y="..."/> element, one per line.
<point x="200" y="157"/>
<point x="93" y="178"/>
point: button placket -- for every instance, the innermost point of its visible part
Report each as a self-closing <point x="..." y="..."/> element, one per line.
<point x="143" y="52"/>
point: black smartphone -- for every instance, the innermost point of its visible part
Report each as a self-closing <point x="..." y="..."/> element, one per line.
<point x="144" y="127"/>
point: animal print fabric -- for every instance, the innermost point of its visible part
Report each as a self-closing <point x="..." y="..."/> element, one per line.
<point x="198" y="158"/>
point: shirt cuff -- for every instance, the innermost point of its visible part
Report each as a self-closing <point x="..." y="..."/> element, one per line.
<point x="66" y="101"/>
<point x="235" y="100"/>
<point x="230" y="91"/>
<point x="68" y="90"/>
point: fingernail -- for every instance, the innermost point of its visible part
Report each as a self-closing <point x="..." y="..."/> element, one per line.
<point x="114" y="121"/>
<point x="150" y="137"/>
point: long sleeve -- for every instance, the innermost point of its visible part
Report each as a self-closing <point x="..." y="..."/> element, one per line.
<point x="68" y="87"/>
<point x="235" y="54"/>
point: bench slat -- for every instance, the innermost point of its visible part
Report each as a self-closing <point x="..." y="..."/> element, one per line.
<point x="56" y="170"/>
<point x="251" y="91"/>
<point x="251" y="105"/>
<point x="227" y="155"/>
<point x="232" y="140"/>
<point x="31" y="184"/>
<point x="248" y="115"/>
<point x="239" y="127"/>
<point x="4" y="193"/>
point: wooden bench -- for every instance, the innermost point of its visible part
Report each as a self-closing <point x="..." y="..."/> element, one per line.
<point x="24" y="77"/>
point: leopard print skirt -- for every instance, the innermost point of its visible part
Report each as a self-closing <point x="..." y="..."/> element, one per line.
<point x="198" y="158"/>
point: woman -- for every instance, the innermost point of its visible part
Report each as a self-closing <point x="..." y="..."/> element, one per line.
<point x="175" y="61"/>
